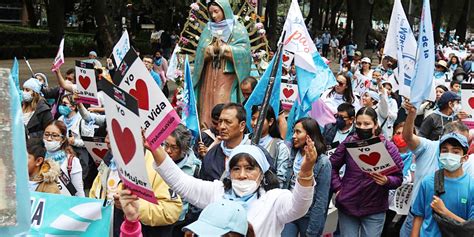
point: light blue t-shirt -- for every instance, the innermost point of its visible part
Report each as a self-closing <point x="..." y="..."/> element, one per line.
<point x="156" y="77"/>
<point x="426" y="158"/>
<point x="458" y="198"/>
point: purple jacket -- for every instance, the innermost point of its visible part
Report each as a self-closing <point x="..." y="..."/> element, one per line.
<point x="359" y="194"/>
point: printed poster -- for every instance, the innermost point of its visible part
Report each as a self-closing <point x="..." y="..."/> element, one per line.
<point x="467" y="102"/>
<point x="96" y="147"/>
<point x="288" y="93"/>
<point x="372" y="156"/>
<point x="157" y="116"/>
<point x="86" y="83"/>
<point x="126" y="140"/>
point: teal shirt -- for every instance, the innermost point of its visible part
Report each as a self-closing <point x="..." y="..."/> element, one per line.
<point x="458" y="198"/>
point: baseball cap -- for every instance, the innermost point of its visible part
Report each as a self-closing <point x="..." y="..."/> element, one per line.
<point x="220" y="218"/>
<point x="446" y="97"/>
<point x="366" y="60"/>
<point x="93" y="53"/>
<point x="458" y="137"/>
<point x="358" y="53"/>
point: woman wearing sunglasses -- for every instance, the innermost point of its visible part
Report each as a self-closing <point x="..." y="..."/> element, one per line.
<point x="340" y="93"/>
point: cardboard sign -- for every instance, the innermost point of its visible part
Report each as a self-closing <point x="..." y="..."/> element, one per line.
<point x="157" y="116"/>
<point x="86" y="83"/>
<point x="360" y="83"/>
<point x="288" y="93"/>
<point x="372" y="156"/>
<point x="57" y="215"/>
<point x="96" y="147"/>
<point x="402" y="199"/>
<point x="126" y="140"/>
<point x="467" y="102"/>
<point x="287" y="59"/>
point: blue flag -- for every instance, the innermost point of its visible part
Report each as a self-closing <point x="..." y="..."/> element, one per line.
<point x="189" y="116"/>
<point x="425" y="62"/>
<point x="296" y="113"/>
<point x="256" y="98"/>
<point x="15" y="74"/>
<point x="312" y="84"/>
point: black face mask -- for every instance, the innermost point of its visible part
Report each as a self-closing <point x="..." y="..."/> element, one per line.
<point x="364" y="133"/>
<point x="340" y="123"/>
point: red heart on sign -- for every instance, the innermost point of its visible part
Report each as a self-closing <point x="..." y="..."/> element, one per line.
<point x="100" y="152"/>
<point x="471" y="102"/>
<point x="124" y="140"/>
<point x="288" y="92"/>
<point x="371" y="159"/>
<point x="85" y="81"/>
<point x="141" y="94"/>
<point x="285" y="58"/>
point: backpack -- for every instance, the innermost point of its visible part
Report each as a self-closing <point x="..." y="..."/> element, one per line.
<point x="448" y="226"/>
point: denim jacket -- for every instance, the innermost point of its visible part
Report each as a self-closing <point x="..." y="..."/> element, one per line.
<point x="318" y="211"/>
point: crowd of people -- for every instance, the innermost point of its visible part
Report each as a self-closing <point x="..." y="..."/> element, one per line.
<point x="223" y="185"/>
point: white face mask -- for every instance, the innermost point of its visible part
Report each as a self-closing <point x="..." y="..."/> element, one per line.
<point x="450" y="161"/>
<point x="27" y="97"/>
<point x="459" y="77"/>
<point x="457" y="108"/>
<point x="52" y="145"/>
<point x="244" y="187"/>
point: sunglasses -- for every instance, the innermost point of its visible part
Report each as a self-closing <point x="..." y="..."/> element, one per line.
<point x="340" y="83"/>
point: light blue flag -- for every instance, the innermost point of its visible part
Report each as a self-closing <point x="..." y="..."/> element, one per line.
<point x="256" y="98"/>
<point x="422" y="83"/>
<point x="59" y="215"/>
<point x="296" y="113"/>
<point x="15" y="74"/>
<point x="312" y="84"/>
<point x="19" y="156"/>
<point x="189" y="116"/>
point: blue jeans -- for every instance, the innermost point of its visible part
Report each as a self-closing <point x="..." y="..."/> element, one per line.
<point x="367" y="226"/>
<point x="405" y="231"/>
<point x="294" y="228"/>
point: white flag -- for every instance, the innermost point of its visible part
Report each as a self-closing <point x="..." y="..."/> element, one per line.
<point x="401" y="45"/>
<point x="121" y="48"/>
<point x="59" y="59"/>
<point x="172" y="72"/>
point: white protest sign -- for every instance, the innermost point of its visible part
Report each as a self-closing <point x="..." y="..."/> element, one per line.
<point x="372" y="156"/>
<point x="402" y="199"/>
<point x="121" y="48"/>
<point x="467" y="102"/>
<point x="96" y="147"/>
<point x="86" y="83"/>
<point x="332" y="148"/>
<point x="288" y="93"/>
<point x="360" y="83"/>
<point x="287" y="59"/>
<point x="157" y="116"/>
<point x="126" y="140"/>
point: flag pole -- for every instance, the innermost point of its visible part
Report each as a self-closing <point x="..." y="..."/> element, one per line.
<point x="268" y="93"/>
<point x="29" y="67"/>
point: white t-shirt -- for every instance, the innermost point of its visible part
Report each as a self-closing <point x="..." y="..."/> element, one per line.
<point x="76" y="178"/>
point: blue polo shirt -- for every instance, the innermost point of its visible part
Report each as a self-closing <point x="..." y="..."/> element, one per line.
<point x="458" y="198"/>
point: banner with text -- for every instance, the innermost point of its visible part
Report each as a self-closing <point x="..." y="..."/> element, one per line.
<point x="126" y="140"/>
<point x="402" y="199"/>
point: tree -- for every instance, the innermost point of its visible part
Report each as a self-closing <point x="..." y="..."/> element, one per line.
<point x="361" y="13"/>
<point x="55" y="12"/>
<point x="105" y="33"/>
<point x="437" y="19"/>
<point x="271" y="20"/>
<point x="461" y="27"/>
<point x="336" y="7"/>
<point x="314" y="16"/>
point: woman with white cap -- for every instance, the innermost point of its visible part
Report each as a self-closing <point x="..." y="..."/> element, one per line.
<point x="362" y="77"/>
<point x="36" y="111"/>
<point x="441" y="76"/>
<point x="249" y="182"/>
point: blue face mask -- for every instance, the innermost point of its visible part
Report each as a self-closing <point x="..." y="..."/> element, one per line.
<point x="438" y="74"/>
<point x="64" y="110"/>
<point x="389" y="72"/>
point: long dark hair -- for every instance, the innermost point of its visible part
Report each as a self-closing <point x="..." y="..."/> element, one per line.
<point x="347" y="96"/>
<point x="312" y="129"/>
<point x="269" y="181"/>
<point x="273" y="130"/>
<point x="369" y="111"/>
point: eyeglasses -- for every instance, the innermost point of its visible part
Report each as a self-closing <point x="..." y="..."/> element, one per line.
<point x="171" y="147"/>
<point x="341" y="83"/>
<point x="52" y="135"/>
<point x="343" y="117"/>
